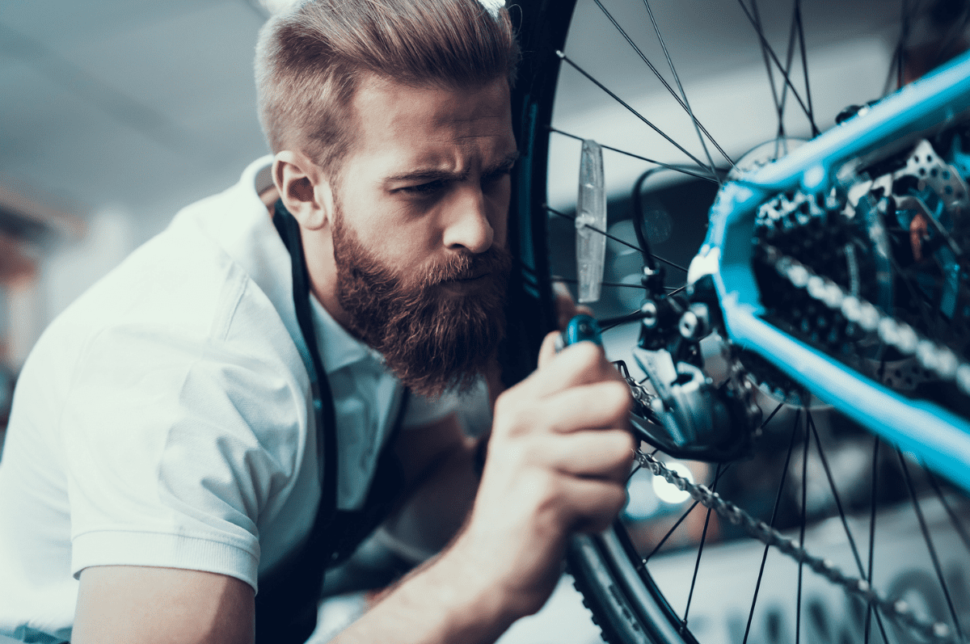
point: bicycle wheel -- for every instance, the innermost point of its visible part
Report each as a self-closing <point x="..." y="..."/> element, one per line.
<point x="632" y="576"/>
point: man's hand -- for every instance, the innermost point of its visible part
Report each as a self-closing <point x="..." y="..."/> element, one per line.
<point x="557" y="463"/>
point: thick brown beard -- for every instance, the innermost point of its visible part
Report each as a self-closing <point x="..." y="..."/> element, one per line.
<point x="431" y="340"/>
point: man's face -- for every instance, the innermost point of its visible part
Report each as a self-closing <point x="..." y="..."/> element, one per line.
<point x="420" y="227"/>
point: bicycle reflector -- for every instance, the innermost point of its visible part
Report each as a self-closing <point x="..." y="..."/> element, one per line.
<point x="591" y="213"/>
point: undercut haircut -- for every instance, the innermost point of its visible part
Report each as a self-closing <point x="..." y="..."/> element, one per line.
<point x="311" y="60"/>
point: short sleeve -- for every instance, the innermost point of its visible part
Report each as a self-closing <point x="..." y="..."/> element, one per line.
<point x="176" y="449"/>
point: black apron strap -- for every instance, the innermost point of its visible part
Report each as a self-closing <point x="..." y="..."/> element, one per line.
<point x="286" y="605"/>
<point x="323" y="408"/>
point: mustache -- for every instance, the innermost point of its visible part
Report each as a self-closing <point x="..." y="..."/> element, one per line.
<point x="496" y="262"/>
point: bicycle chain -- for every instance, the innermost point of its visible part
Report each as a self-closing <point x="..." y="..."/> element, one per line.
<point x="934" y="358"/>
<point x="897" y="611"/>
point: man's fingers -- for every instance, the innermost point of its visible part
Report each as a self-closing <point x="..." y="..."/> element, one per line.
<point x="601" y="404"/>
<point x="598" y="405"/>
<point x="591" y="505"/>
<point x="579" y="364"/>
<point x="606" y="454"/>
<point x="548" y="349"/>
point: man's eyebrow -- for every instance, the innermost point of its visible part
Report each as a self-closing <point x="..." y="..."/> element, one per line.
<point x="436" y="174"/>
<point x="425" y="174"/>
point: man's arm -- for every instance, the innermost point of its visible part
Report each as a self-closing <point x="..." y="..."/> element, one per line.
<point x="440" y="481"/>
<point x="122" y="604"/>
<point x="558" y="458"/>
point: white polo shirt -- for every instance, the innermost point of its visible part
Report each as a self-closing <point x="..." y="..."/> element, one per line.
<point x="164" y="418"/>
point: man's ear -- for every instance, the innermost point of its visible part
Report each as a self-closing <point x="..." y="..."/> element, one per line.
<point x="305" y="191"/>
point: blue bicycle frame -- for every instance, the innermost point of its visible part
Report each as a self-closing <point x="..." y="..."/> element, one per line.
<point x="935" y="435"/>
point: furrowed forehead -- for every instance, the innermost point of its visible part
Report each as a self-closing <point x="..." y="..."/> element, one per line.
<point x="431" y="129"/>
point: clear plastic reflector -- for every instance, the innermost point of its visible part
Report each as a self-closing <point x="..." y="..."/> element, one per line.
<point x="590" y="213"/>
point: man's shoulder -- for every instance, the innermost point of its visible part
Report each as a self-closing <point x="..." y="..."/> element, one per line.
<point x="213" y="276"/>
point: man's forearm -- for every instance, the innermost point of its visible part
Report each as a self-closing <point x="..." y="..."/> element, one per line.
<point x="448" y="599"/>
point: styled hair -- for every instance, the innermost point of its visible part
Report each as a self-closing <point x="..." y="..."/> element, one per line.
<point x="310" y="61"/>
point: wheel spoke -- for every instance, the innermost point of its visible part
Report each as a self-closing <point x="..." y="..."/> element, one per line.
<point x="838" y="505"/>
<point x="686" y="103"/>
<point x="608" y="323"/>
<point x="835" y="495"/>
<point x="636" y="469"/>
<point x="639" y="466"/>
<point x="595" y="229"/>
<point x="670" y="532"/>
<point x="764" y="52"/>
<point x="683" y="516"/>
<point x="615" y="238"/>
<point x="700" y="551"/>
<point x="772" y="415"/>
<point x="801" y="535"/>
<point x="953" y="517"/>
<point x="637" y="114"/>
<point x="808" y="89"/>
<point x="929" y="542"/>
<point x="675" y="167"/>
<point x="770" y="52"/>
<point x="569" y="280"/>
<point x="774" y="514"/>
<point x="789" y="56"/>
<point x="872" y="529"/>
<point x="663" y="80"/>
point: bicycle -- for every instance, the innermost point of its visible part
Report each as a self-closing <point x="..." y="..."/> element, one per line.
<point x="871" y="330"/>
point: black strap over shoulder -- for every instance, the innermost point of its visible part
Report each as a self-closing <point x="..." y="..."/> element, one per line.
<point x="286" y="605"/>
<point x="323" y="407"/>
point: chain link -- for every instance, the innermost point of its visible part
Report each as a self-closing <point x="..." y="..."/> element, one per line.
<point x="935" y="358"/>
<point x="897" y="611"/>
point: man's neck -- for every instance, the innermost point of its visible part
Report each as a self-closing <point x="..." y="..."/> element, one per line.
<point x="323" y="274"/>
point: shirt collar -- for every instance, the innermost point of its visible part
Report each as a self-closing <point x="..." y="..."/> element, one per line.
<point x="338" y="348"/>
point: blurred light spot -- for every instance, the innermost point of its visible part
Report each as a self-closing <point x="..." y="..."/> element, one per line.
<point x="668" y="492"/>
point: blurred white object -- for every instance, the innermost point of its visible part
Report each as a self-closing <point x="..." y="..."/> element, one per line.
<point x="492" y="5"/>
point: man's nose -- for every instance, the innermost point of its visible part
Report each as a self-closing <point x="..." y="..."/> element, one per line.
<point x="468" y="226"/>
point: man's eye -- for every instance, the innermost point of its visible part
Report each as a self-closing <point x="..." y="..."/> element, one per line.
<point x="424" y="188"/>
<point x="493" y="178"/>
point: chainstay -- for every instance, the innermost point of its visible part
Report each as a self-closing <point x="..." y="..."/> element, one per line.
<point x="897" y="611"/>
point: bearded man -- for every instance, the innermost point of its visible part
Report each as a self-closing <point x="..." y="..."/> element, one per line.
<point x="227" y="413"/>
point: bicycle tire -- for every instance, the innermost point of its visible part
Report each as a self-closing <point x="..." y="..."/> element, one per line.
<point x="606" y="593"/>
